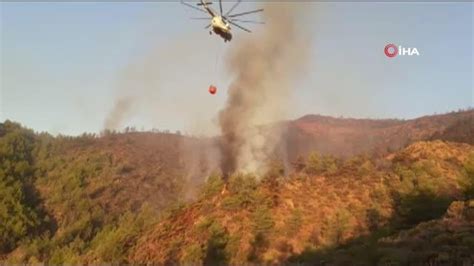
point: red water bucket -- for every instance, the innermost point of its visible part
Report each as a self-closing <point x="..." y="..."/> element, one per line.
<point x="212" y="89"/>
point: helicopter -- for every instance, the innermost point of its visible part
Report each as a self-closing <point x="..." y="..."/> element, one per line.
<point x="219" y="22"/>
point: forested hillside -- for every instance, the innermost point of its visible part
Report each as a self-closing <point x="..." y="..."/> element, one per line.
<point x="342" y="212"/>
<point x="348" y="137"/>
<point x="66" y="199"/>
<point x="137" y="197"/>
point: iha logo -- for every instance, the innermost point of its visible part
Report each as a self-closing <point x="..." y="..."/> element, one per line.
<point x="391" y="50"/>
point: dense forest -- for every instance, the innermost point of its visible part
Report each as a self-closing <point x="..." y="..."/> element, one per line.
<point x="415" y="207"/>
<point x="129" y="198"/>
<point x="70" y="200"/>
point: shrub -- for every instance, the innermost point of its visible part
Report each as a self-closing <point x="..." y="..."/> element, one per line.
<point x="314" y="164"/>
<point x="340" y="225"/>
<point x="193" y="255"/>
<point x="216" y="245"/>
<point x="242" y="192"/>
<point x="373" y="218"/>
<point x="317" y="164"/>
<point x="469" y="169"/>
<point x="213" y="185"/>
<point x="366" y="168"/>
<point x="64" y="255"/>
<point x="262" y="220"/>
<point x="111" y="244"/>
<point x="330" y="165"/>
<point x="19" y="217"/>
<point x="294" y="222"/>
<point x="420" y="206"/>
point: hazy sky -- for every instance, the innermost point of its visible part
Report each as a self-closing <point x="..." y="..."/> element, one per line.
<point x="63" y="64"/>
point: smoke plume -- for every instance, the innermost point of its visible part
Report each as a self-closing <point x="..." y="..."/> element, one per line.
<point x="165" y="85"/>
<point x="265" y="67"/>
<point x="137" y="84"/>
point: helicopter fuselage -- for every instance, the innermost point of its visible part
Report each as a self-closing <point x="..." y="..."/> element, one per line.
<point x="221" y="28"/>
<point x="220" y="21"/>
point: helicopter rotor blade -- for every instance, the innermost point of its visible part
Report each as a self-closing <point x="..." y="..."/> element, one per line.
<point x="207" y="27"/>
<point x="245" y="13"/>
<point x="238" y="26"/>
<point x="193" y="7"/>
<point x="206" y="3"/>
<point x="201" y="18"/>
<point x="233" y="7"/>
<point x="220" y="7"/>
<point x="248" y="21"/>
